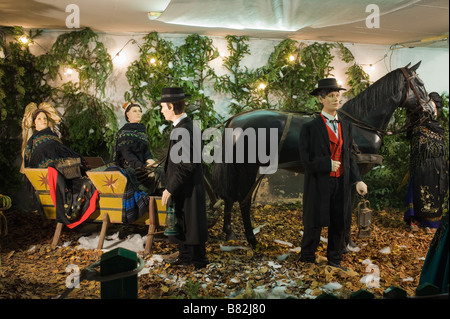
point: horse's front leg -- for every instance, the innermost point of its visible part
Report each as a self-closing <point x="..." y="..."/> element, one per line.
<point x="248" y="228"/>
<point x="227" y="229"/>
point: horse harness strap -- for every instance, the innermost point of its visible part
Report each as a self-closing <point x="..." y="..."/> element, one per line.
<point x="280" y="146"/>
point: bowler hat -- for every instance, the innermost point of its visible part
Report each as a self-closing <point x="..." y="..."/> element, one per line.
<point x="172" y="94"/>
<point x="328" y="83"/>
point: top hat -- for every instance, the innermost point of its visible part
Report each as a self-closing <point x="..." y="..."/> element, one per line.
<point x="328" y="83"/>
<point x="172" y="95"/>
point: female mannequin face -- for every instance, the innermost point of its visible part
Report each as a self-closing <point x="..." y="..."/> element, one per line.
<point x="134" y="114"/>
<point x="41" y="121"/>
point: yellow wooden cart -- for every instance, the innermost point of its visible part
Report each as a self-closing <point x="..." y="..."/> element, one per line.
<point x="111" y="186"/>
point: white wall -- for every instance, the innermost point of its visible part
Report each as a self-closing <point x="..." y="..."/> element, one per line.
<point x="434" y="70"/>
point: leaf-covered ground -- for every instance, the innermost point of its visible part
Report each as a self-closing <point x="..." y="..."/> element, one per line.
<point x="392" y="256"/>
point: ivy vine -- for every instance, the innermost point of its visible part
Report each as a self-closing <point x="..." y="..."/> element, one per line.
<point x="89" y="122"/>
<point x="20" y="83"/>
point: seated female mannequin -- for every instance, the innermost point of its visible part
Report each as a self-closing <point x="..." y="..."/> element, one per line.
<point x="75" y="197"/>
<point x="131" y="151"/>
<point x="41" y="146"/>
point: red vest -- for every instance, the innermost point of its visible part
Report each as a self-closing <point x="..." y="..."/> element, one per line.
<point x="335" y="148"/>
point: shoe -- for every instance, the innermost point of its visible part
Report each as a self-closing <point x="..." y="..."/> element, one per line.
<point x="345" y="250"/>
<point x="351" y="244"/>
<point x="337" y="265"/>
<point x="307" y="260"/>
<point x="200" y="265"/>
<point x="180" y="262"/>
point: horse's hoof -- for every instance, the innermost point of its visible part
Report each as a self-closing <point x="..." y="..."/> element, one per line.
<point x="230" y="236"/>
<point x="252" y="241"/>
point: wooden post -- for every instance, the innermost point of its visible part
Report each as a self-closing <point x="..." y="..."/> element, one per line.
<point x="105" y="224"/>
<point x="152" y="224"/>
<point x="56" y="235"/>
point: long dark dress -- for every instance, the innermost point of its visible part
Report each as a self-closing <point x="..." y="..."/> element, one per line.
<point x="74" y="199"/>
<point x="436" y="267"/>
<point x="131" y="152"/>
<point x="428" y="175"/>
<point x="45" y="147"/>
<point x="132" y="147"/>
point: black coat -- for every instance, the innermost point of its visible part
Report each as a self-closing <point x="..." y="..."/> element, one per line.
<point x="315" y="155"/>
<point x="184" y="180"/>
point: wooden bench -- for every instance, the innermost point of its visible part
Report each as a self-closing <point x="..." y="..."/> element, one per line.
<point x="111" y="186"/>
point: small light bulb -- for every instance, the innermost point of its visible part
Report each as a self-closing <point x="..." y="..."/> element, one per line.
<point x="291" y="58"/>
<point x="261" y="86"/>
<point x="24" y="39"/>
<point x="120" y="58"/>
<point x="152" y="60"/>
<point x="339" y="83"/>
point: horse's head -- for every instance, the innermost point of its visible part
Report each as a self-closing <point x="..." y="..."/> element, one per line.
<point x="417" y="103"/>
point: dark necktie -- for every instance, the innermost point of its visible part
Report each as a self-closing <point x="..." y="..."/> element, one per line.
<point x="335" y="125"/>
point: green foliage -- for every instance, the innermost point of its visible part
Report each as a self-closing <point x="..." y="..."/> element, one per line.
<point x="147" y="76"/>
<point x="240" y="82"/>
<point x="89" y="123"/>
<point x="290" y="81"/>
<point x="186" y="66"/>
<point x="80" y="50"/>
<point x="357" y="79"/>
<point x="20" y="83"/>
<point x="194" y="70"/>
<point x="443" y="117"/>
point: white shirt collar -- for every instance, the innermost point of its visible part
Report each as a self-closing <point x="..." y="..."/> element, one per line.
<point x="175" y="123"/>
<point x="329" y="117"/>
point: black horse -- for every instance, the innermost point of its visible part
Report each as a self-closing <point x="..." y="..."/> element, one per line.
<point x="370" y="113"/>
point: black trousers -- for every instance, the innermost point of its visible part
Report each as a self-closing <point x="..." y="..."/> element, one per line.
<point x="311" y="235"/>
<point x="193" y="254"/>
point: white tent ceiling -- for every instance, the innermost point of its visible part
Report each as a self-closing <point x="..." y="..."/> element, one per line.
<point x="424" y="22"/>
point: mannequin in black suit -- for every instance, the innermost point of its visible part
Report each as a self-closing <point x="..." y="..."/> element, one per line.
<point x="184" y="183"/>
<point x="330" y="171"/>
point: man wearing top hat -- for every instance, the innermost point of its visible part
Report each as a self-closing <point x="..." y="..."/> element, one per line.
<point x="184" y="183"/>
<point x="330" y="172"/>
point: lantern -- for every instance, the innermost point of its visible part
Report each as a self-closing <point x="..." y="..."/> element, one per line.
<point x="364" y="219"/>
<point x="171" y="227"/>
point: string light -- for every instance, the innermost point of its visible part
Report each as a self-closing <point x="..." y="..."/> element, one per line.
<point x="24" y="39"/>
<point x="261" y="86"/>
<point x="68" y="71"/>
<point x="152" y="60"/>
<point x="120" y="58"/>
<point x="291" y="58"/>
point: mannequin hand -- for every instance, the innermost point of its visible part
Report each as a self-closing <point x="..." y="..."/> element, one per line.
<point x="361" y="188"/>
<point x="165" y="197"/>
<point x="150" y="162"/>
<point x="335" y="166"/>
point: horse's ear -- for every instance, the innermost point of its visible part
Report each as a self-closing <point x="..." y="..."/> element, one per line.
<point x="407" y="66"/>
<point x="416" y="66"/>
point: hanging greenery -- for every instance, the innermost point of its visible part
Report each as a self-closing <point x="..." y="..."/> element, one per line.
<point x="195" y="71"/>
<point x="357" y="79"/>
<point x="292" y="71"/>
<point x="89" y="123"/>
<point x="153" y="70"/>
<point x="20" y="83"/>
<point x="160" y="65"/>
<point x="83" y="52"/>
<point x="241" y="82"/>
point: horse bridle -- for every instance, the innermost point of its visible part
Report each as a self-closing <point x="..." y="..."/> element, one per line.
<point x="419" y="121"/>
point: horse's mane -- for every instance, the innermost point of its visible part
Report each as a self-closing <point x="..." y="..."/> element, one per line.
<point x="387" y="89"/>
